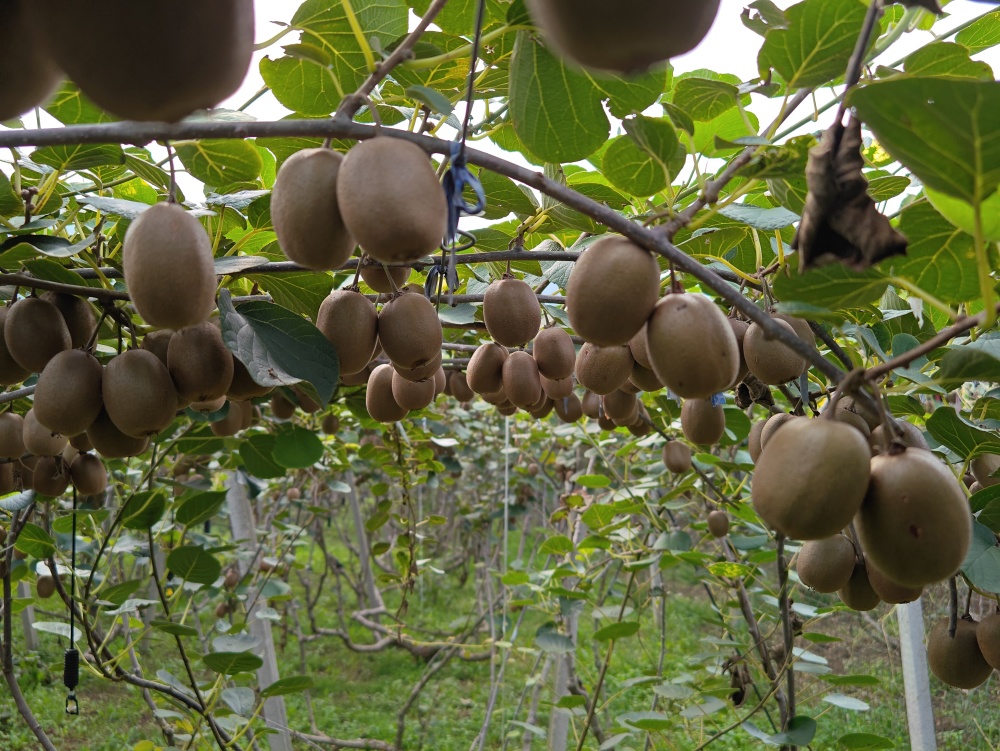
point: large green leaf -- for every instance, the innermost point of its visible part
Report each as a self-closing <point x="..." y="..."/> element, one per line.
<point x="946" y="59"/>
<point x="982" y="34"/>
<point x="704" y="98"/>
<point x="193" y="563"/>
<point x="143" y="510"/>
<point x="834" y="287"/>
<point x="256" y="452"/>
<point x="940" y="257"/>
<point x="35" y="541"/>
<point x="231" y="663"/>
<point x="220" y="162"/>
<point x="632" y="169"/>
<point x="982" y="564"/>
<point x="949" y="429"/>
<point x="200" y="507"/>
<point x="79" y="156"/>
<point x="296" y="448"/>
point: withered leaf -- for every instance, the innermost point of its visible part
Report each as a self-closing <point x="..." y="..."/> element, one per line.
<point x="840" y="222"/>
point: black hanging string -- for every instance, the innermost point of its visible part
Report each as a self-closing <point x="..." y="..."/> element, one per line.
<point x="71" y="659"/>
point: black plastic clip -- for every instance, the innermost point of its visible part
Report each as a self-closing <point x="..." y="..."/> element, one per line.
<point x="72" y="707"/>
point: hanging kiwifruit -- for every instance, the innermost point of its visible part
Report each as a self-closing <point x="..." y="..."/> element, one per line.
<point x="507" y="409"/>
<point x="826" y="565"/>
<point x="10" y="371"/>
<point x="391" y="200"/>
<point x="349" y="321"/>
<point x="182" y="55"/>
<point x="811" y="478"/>
<point x="78" y="314"/>
<point x="915" y="522"/>
<point x="644" y="379"/>
<point x="331" y="424"/>
<point x="381" y="404"/>
<point x="139" y="395"/>
<point x="677" y="457"/>
<point x="382" y="278"/>
<point x="281" y="408"/>
<point x="304" y="400"/>
<point x="554" y="353"/>
<point x="692" y="347"/>
<point x="88" y="474"/>
<point x="985" y="468"/>
<point x="625" y="37"/>
<point x="957" y="660"/>
<point x="50" y="476"/>
<point x="110" y="442"/>
<point x="45" y="587"/>
<point x="910" y="436"/>
<point x="440" y="380"/>
<point x="35" y="332"/>
<point x="496" y="398"/>
<point x="640" y="352"/>
<point x="858" y="594"/>
<point x="27" y="72"/>
<point x="421" y="372"/>
<point x="158" y="342"/>
<point x="305" y="213"/>
<point x="771" y="426"/>
<point x="621" y="406"/>
<point x="557" y="389"/>
<point x="703" y="422"/>
<point x="740" y="331"/>
<point x="7" y="484"/>
<point x="409" y="330"/>
<point x="987" y="634"/>
<point x="570" y="410"/>
<point x="768" y="358"/>
<point x="718" y="523"/>
<point x="511" y="312"/>
<point x="235" y="420"/>
<point x="888" y="590"/>
<point x="169" y="269"/>
<point x="641" y="426"/>
<point x="612" y="290"/>
<point x="68" y="393"/>
<point x="38" y="439"/>
<point x="544" y="410"/>
<point x="243" y="386"/>
<point x="603" y="369"/>
<point x="753" y="440"/>
<point x="848" y="403"/>
<point x="800" y="326"/>
<point x="412" y="395"/>
<point x="460" y="387"/>
<point x="520" y="380"/>
<point x="591" y="405"/>
<point x="854" y="420"/>
<point x="485" y="372"/>
<point x="11" y="436"/>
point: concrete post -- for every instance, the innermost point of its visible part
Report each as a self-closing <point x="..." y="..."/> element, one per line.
<point x="919" y="710"/>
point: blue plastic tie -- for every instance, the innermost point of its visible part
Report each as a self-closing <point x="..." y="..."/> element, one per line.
<point x="719" y="400"/>
<point x="456" y="180"/>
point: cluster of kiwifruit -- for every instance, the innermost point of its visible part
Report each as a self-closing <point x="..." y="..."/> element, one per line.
<point x="202" y="60"/>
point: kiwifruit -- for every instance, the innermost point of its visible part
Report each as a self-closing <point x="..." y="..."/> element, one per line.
<point x="771" y="426"/>
<point x="507" y="409"/>
<point x="800" y="326"/>
<point x="554" y="353"/>
<point x="10" y="371"/>
<point x="68" y="393"/>
<point x="331" y="424"/>
<point x="485" y="372"/>
<point x="853" y="419"/>
<point x="81" y="442"/>
<point x="391" y="200"/>
<point x="222" y="610"/>
<point x="439" y="381"/>
<point x="382" y="278"/>
<point x="606" y="423"/>
<point x="557" y="389"/>
<point x="349" y="321"/>
<point x="358" y="379"/>
<point x="50" y="476"/>
<point x="984" y="467"/>
<point x="7" y="484"/>
<point x="858" y="594"/>
<point x="620" y="406"/>
<point x="232" y="579"/>
<point x="888" y="590"/>
<point x="753" y="440"/>
<point x="644" y="379"/>
<point x="628" y="387"/>
<point x="826" y="565"/>
<point x="382" y="406"/>
<point x="28" y="72"/>
<point x="987" y="635"/>
<point x="692" y="347"/>
<point x="640" y="353"/>
<point x="158" y="342"/>
<point x="24" y="472"/>
<point x="915" y="522"/>
<point x="305" y="213"/>
<point x="234" y="420"/>
<point x="911" y="436"/>
<point x="570" y="409"/>
<point x="718" y="523"/>
<point x="38" y="439"/>
<point x="69" y="453"/>
<point x="305" y="401"/>
<point x="45" y="586"/>
<point x="591" y="405"/>
<point x="35" y="332"/>
<point x="112" y="443"/>
<point x="768" y="358"/>
<point x="677" y="457"/>
<point x="703" y="422"/>
<point x="641" y="426"/>
<point x="409" y="330"/>
<point x="850" y="403"/>
<point x="740" y="331"/>
<point x="421" y="372"/>
<point x="199" y="363"/>
<point x="544" y="410"/>
<point x="11" y="436"/>
<point x="201" y="61"/>
<point x="612" y="291"/>
<point x="539" y="404"/>
<point x="511" y="312"/>
<point x="281" y="408"/>
<point x="412" y="395"/>
<point x="139" y="395"/>
<point x="603" y="369"/>
<point x="975" y="488"/>
<point x="88" y="474"/>
<point x="520" y="380"/>
<point x="78" y="314"/>
<point x="460" y="387"/>
<point x="168" y="265"/>
<point x="243" y="386"/>
<point x="626" y="37"/>
<point x="957" y="660"/>
<point x="811" y="478"/>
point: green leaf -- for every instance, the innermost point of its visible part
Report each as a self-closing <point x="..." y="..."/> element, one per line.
<point x="571" y="702"/>
<point x="946" y="59"/>
<point x="257" y="454"/>
<point x="835" y="287"/>
<point x="982" y="564"/>
<point x="704" y="98"/>
<point x="556" y="545"/>
<point x="17" y="501"/>
<point x="58" y="628"/>
<point x="10" y="202"/>
<point x="885" y="187"/>
<point x="278" y="347"/>
<point x="200" y="507"/>
<point x="632" y="169"/>
<point x="551" y="641"/>
<point x="981" y="34"/>
<point x="231" y="663"/>
<point x="962" y="364"/>
<point x="435" y="100"/>
<point x="174" y="629"/>
<point x="968" y="441"/>
<point x="296" y="448"/>
<point x="963" y="216"/>
<point x="620" y="630"/>
<point x="143" y="510"/>
<point x="940" y="257"/>
<point x="984" y="498"/>
<point x="631" y="95"/>
<point x="79" y="156"/>
<point x="766" y="220"/>
<point x="727" y="570"/>
<point x="592" y="481"/>
<point x="194" y="564"/>
<point x="302" y="86"/>
<point x="864" y="742"/>
<point x="291" y="685"/>
<point x="220" y="162"/>
<point x="598" y="515"/>
<point x="515" y="578"/>
<point x="846" y="702"/>
<point x="35" y="542"/>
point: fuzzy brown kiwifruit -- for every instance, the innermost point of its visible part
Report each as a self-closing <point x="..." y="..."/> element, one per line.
<point x="591" y="405"/>
<point x="139" y="395"/>
<point x="640" y="353"/>
<point x="507" y="409"/>
<point x="38" y="439"/>
<point x="888" y="590"/>
<point x="677" y="457"/>
<point x="703" y="422"/>
<point x="78" y="314"/>
<point x="544" y="410"/>
<point x="987" y="635"/>
<point x="957" y="660"/>
<point x="557" y="389"/>
<point x="35" y="332"/>
<point x="10" y="371"/>
<point x="858" y="593"/>
<point x="621" y="407"/>
<point x="603" y="369"/>
<point x="382" y="278"/>
<point x="854" y="420"/>
<point x="850" y="404"/>
<point x="50" y="476"/>
<point x="772" y="425"/>
<point x="554" y="353"/>
<point x="740" y="331"/>
<point x="110" y="442"/>
<point x="718" y="523"/>
<point x="158" y="342"/>
<point x="985" y="468"/>
<point x="625" y="37"/>
<point x="811" y="478"/>
<point x="81" y="442"/>
<point x="304" y="400"/>
<point x="412" y="395"/>
<point x="281" y="408"/>
<point x="382" y="406"/>
<point x="68" y="393"/>
<point x="915" y="522"/>
<point x="628" y="387"/>
<point x="641" y="426"/>
<point x="305" y="212"/>
<point x="800" y="326"/>
<point x="11" y="436"/>
<point x="28" y="72"/>
<point x="485" y="372"/>
<point x="460" y="387"/>
<point x="237" y="418"/>
<point x="644" y="379"/>
<point x="183" y="55"/>
<point x="606" y="423"/>
<point x="440" y="379"/>
<point x="45" y="586"/>
<point x="521" y="382"/>
<point x="243" y="386"/>
<point x="349" y="321"/>
<point x="570" y="409"/>
<point x="7" y="484"/>
<point x="391" y="200"/>
<point x="753" y="440"/>
<point x="612" y="291"/>
<point x="421" y="372"/>
<point x="911" y="436"/>
<point x="769" y="359"/>
<point x="409" y="330"/>
<point x="88" y="474"/>
<point x="511" y="312"/>
<point x="826" y="565"/>
<point x="692" y="347"/>
<point x="199" y="363"/>
<point x="331" y="424"/>
<point x="358" y="379"/>
<point x="169" y="268"/>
